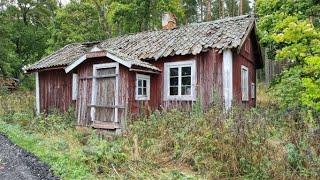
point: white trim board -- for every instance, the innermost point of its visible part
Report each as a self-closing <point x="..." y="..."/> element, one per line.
<point x="37" y="92"/>
<point x="76" y="63"/>
<point x="109" y="55"/>
<point x="74" y="86"/>
<point x="227" y="77"/>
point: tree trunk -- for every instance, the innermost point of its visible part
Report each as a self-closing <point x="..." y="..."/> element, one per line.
<point x="221" y="8"/>
<point x="208" y="13"/>
<point x="241" y="7"/>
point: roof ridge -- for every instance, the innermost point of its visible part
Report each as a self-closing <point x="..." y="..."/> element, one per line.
<point x="187" y="39"/>
<point x="182" y="26"/>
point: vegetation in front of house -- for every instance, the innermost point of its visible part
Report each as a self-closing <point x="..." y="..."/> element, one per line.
<point x="261" y="143"/>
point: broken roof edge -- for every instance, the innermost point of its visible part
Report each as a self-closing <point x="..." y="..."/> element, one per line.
<point x="112" y="55"/>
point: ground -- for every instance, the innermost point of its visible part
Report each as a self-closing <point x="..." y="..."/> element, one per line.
<point x="16" y="163"/>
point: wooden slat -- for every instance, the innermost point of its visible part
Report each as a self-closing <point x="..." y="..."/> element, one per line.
<point x="144" y="71"/>
<point x="106" y="106"/>
<point x="99" y="77"/>
<point x="105" y="125"/>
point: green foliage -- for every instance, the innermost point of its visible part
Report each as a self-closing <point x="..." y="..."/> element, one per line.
<point x="259" y="143"/>
<point x="76" y="22"/>
<point x="293" y="39"/>
<point x="25" y="34"/>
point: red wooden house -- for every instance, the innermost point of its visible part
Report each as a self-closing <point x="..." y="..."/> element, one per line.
<point x="108" y="80"/>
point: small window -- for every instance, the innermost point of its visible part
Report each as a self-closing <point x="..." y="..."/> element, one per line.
<point x="179" y="80"/>
<point x="253" y="90"/>
<point x="74" y="86"/>
<point x="142" y="87"/>
<point x="245" y="83"/>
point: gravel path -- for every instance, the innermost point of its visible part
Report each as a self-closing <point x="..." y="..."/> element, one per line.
<point x="16" y="163"/>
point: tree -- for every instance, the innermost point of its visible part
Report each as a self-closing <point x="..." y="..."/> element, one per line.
<point x="76" y="22"/>
<point x="26" y="25"/>
<point x="286" y="29"/>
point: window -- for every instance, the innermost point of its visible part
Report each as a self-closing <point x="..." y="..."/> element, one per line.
<point x="74" y="86"/>
<point x="142" y="87"/>
<point x="253" y="90"/>
<point x="244" y="83"/>
<point x="179" y="78"/>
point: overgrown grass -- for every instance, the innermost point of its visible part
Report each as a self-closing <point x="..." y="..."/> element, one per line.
<point x="260" y="143"/>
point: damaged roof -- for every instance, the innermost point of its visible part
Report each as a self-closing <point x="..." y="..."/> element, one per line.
<point x="190" y="39"/>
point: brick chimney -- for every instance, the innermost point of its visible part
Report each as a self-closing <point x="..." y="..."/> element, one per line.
<point x="169" y="21"/>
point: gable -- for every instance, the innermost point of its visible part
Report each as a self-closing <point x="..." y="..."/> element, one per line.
<point x="251" y="49"/>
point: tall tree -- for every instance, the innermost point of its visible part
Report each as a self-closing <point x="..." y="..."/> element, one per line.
<point x="286" y="30"/>
<point x="76" y="22"/>
<point x="27" y="23"/>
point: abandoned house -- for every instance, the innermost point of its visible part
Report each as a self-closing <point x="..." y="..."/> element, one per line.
<point x="108" y="81"/>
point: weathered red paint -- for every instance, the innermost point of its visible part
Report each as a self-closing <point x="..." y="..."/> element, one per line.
<point x="208" y="87"/>
<point x="247" y="59"/>
<point x="209" y="83"/>
<point x="55" y="88"/>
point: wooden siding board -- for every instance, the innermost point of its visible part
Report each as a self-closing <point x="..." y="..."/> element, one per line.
<point x="85" y="91"/>
<point x="55" y="90"/>
<point x="209" y="81"/>
<point x="247" y="59"/>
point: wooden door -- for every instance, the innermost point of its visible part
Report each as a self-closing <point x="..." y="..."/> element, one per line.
<point x="104" y="111"/>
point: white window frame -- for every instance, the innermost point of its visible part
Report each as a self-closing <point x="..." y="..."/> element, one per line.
<point x="179" y="65"/>
<point x="74" y="86"/>
<point x="146" y="78"/>
<point x="245" y="82"/>
<point x="253" y="90"/>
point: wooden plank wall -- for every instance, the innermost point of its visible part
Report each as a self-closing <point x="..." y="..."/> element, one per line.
<point x="85" y="71"/>
<point x="247" y="59"/>
<point x="209" y="82"/>
<point x="55" y="90"/>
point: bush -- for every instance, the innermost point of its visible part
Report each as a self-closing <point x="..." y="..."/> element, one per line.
<point x="236" y="144"/>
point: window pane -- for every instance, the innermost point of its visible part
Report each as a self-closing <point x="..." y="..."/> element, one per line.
<point x="139" y="83"/>
<point x="174" y="81"/>
<point x="174" y="71"/>
<point x="186" y="81"/>
<point x="144" y="91"/>
<point x="186" y="71"/>
<point x="186" y="90"/>
<point x="144" y="83"/>
<point x="139" y="91"/>
<point x="173" y="90"/>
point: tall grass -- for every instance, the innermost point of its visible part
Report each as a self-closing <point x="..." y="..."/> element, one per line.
<point x="260" y="143"/>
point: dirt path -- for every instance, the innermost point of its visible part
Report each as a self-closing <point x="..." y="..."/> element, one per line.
<point x="16" y="163"/>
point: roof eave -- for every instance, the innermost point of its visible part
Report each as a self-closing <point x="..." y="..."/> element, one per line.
<point x="104" y="53"/>
<point x="33" y="70"/>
